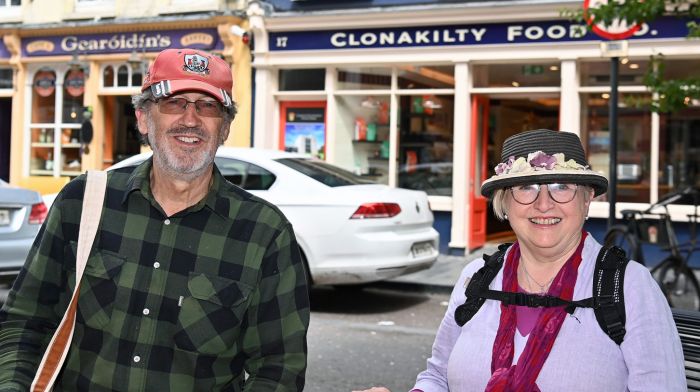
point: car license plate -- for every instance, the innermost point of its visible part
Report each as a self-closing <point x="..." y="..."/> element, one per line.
<point x="422" y="249"/>
<point x="4" y="217"/>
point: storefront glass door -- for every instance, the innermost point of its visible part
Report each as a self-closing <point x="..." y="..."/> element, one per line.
<point x="505" y="116"/>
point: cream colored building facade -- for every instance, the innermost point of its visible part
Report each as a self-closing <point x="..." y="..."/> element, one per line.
<point x="60" y="60"/>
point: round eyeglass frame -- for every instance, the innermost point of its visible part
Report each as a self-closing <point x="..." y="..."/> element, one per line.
<point x="549" y="191"/>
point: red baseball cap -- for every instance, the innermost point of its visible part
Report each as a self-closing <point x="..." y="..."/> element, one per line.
<point x="176" y="70"/>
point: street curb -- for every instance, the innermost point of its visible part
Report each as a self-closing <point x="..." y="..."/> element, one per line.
<point x="414" y="287"/>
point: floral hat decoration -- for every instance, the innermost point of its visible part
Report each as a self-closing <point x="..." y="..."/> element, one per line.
<point x="540" y="157"/>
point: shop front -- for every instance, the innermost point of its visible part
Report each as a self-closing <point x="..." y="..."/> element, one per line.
<point x="423" y="98"/>
<point x="74" y="92"/>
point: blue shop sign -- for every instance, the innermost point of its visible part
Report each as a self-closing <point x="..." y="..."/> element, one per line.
<point x="4" y="53"/>
<point x="461" y="35"/>
<point x="152" y="41"/>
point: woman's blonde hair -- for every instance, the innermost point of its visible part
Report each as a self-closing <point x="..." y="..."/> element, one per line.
<point x="498" y="201"/>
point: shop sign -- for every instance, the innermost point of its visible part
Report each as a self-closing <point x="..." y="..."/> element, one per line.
<point x="44" y="83"/>
<point x="75" y="83"/>
<point x="4" y="53"/>
<point x="462" y="35"/>
<point x="126" y="42"/>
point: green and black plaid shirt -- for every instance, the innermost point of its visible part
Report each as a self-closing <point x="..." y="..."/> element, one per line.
<point x="180" y="303"/>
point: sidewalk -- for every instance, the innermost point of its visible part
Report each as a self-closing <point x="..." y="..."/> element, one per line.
<point x="444" y="273"/>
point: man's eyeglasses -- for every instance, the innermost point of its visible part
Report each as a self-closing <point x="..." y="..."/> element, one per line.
<point x="178" y="105"/>
<point x="560" y="193"/>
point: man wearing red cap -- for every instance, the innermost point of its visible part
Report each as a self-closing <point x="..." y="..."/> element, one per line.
<point x="192" y="283"/>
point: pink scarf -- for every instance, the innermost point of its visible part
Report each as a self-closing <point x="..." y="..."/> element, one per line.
<point x="522" y="376"/>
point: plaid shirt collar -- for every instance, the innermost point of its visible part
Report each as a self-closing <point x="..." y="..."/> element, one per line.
<point x="140" y="180"/>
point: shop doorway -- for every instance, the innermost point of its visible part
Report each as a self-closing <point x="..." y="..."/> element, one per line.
<point x="494" y="119"/>
<point x="121" y="132"/>
<point x="5" y="131"/>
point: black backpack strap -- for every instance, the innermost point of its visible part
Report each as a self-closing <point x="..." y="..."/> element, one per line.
<point x="479" y="283"/>
<point x="608" y="292"/>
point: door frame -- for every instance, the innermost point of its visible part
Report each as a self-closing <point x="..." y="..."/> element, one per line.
<point x="478" y="204"/>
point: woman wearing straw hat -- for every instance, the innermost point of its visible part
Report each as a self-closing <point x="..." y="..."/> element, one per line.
<point x="543" y="187"/>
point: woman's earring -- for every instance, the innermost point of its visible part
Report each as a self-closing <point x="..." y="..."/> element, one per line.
<point x="505" y="216"/>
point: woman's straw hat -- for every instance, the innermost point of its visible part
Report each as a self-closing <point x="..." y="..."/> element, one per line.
<point x="540" y="157"/>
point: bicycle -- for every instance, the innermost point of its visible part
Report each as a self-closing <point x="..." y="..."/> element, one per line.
<point x="677" y="280"/>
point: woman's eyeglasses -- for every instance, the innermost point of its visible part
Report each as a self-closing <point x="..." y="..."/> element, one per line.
<point x="560" y="193"/>
<point x="178" y="105"/>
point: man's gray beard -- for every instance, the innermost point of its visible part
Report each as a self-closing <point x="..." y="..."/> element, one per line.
<point x="186" y="170"/>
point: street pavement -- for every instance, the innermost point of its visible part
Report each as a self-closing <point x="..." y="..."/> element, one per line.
<point x="444" y="273"/>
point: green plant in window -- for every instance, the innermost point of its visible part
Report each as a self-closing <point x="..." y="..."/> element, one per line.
<point x="669" y="95"/>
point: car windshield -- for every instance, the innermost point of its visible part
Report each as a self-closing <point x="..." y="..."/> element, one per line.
<point x="323" y="172"/>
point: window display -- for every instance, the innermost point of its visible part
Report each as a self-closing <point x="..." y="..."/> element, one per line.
<point x="634" y="136"/>
<point x="425" y="143"/>
<point x="362" y="136"/>
<point x="54" y="142"/>
<point x="517" y="75"/>
<point x="679" y="151"/>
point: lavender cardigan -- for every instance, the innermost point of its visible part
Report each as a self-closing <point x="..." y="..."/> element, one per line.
<point x="583" y="357"/>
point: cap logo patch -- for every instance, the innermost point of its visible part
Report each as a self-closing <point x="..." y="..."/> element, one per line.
<point x="196" y="64"/>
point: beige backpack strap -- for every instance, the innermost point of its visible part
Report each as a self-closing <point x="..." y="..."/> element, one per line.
<point x="56" y="352"/>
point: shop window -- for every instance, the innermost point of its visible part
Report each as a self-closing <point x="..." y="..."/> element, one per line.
<point x="44" y="97"/>
<point x="125" y="75"/>
<point x="633" y="146"/>
<point x="302" y="79"/>
<point x="679" y="151"/>
<point x="364" y="78"/>
<point x="5" y="78"/>
<point x="108" y="76"/>
<point x="136" y="77"/>
<point x="122" y="76"/>
<point x="425" y="143"/>
<point x="517" y="75"/>
<point x="54" y="140"/>
<point x="597" y="73"/>
<point x="362" y="136"/>
<point x="421" y="77"/>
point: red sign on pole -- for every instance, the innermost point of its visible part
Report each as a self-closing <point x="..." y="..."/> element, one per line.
<point x="617" y="30"/>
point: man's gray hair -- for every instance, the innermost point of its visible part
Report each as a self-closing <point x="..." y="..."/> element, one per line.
<point x="145" y="99"/>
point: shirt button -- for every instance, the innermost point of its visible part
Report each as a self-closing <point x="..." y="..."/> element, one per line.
<point x="167" y="221"/>
<point x="146" y="311"/>
<point x="137" y="359"/>
<point x="156" y="265"/>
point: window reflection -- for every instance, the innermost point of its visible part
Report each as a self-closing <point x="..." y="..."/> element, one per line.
<point x="108" y="76"/>
<point x="517" y="75"/>
<point x="122" y="76"/>
<point x="634" y="137"/>
<point x="597" y="73"/>
<point x="419" y="77"/>
<point x="679" y="151"/>
<point x="425" y="145"/>
<point x="363" y="136"/>
<point x="43" y="96"/>
<point x="364" y="78"/>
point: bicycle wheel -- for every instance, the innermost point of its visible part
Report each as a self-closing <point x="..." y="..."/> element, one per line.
<point x="679" y="284"/>
<point x="620" y="237"/>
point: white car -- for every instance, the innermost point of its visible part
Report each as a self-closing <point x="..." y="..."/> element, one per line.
<point x="350" y="230"/>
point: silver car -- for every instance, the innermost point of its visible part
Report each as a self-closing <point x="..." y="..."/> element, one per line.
<point x="22" y="211"/>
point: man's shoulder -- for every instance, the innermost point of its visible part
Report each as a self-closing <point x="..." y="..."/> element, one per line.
<point x="243" y="204"/>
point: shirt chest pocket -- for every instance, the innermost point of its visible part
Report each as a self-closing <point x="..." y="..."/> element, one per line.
<point x="210" y="317"/>
<point x="98" y="289"/>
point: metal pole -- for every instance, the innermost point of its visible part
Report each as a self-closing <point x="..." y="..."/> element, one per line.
<point x="612" y="186"/>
